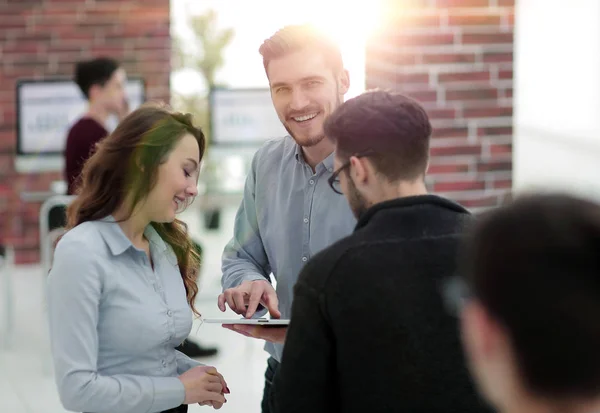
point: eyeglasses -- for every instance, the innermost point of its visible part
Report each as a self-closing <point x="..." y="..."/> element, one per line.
<point x="334" y="179"/>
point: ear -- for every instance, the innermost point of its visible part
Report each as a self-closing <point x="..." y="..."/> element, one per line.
<point x="481" y="334"/>
<point x="93" y="91"/>
<point x="358" y="170"/>
<point x="344" y="82"/>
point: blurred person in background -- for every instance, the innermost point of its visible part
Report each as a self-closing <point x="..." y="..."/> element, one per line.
<point x="102" y="81"/>
<point x="123" y="282"/>
<point x="288" y="212"/>
<point x="369" y="331"/>
<point x="530" y="305"/>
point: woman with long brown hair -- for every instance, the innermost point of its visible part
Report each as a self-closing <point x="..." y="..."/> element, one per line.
<point x="123" y="282"/>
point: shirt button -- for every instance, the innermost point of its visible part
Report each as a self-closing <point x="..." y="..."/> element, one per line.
<point x="330" y="169"/>
<point x="164" y="363"/>
<point x="169" y="313"/>
<point x="312" y="182"/>
<point x="306" y="220"/>
<point x="304" y="259"/>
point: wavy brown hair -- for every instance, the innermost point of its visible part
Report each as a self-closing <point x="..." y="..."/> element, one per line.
<point x="124" y="169"/>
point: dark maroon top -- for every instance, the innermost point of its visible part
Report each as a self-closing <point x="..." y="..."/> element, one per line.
<point x="81" y="143"/>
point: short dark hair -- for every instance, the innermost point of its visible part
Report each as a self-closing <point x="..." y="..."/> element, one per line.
<point x="94" y="72"/>
<point x="297" y="37"/>
<point x="535" y="266"/>
<point x="393" y="126"/>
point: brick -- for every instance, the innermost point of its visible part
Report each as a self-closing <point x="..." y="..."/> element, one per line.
<point x="447" y="58"/>
<point x="424" y="96"/>
<point x="489" y="112"/>
<point x="494" y="166"/>
<point x="461" y="3"/>
<point x="499" y="130"/>
<point x="456" y="150"/>
<point x="502" y="184"/>
<point x="490" y="57"/>
<point x="420" y="39"/>
<point x="416" y="20"/>
<point x="459" y="186"/>
<point x="388" y="56"/>
<point x="6" y="164"/>
<point x="506" y="3"/>
<point x="483" y="201"/>
<point x="482" y="93"/>
<point x="27" y="256"/>
<point x="488" y="19"/>
<point x="435" y="114"/>
<point x="487" y="38"/>
<point x="464" y="77"/>
<point x="7" y="140"/>
<point x="399" y="78"/>
<point x="454" y="132"/>
<point x="505" y="74"/>
<point x="497" y="149"/>
<point x="508" y="93"/>
<point x="448" y="168"/>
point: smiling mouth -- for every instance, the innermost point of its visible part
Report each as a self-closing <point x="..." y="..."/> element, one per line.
<point x="305" y="118"/>
<point x="178" y="202"/>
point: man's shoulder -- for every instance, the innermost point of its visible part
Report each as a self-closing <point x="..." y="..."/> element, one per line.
<point x="323" y="265"/>
<point x="277" y="149"/>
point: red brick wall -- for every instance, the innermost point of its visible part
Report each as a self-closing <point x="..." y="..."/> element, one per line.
<point x="456" y="58"/>
<point x="44" y="39"/>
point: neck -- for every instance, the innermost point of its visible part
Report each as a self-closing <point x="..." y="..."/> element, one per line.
<point x="402" y="189"/>
<point x="98" y="113"/>
<point x="133" y="226"/>
<point x="314" y="155"/>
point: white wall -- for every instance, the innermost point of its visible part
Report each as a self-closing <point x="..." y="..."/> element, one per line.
<point x="557" y="96"/>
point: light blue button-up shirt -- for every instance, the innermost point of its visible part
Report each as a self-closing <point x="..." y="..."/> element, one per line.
<point x="115" y="321"/>
<point x="288" y="214"/>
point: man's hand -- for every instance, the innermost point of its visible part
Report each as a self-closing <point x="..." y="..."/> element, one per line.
<point x="272" y="334"/>
<point x="245" y="298"/>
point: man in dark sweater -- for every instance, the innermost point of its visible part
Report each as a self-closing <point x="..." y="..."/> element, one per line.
<point x="369" y="331"/>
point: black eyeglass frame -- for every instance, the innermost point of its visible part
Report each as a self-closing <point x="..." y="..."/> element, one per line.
<point x="334" y="178"/>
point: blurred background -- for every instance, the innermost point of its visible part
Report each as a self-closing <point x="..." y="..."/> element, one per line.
<point x="512" y="88"/>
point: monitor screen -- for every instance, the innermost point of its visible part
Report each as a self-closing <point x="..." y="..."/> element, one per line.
<point x="47" y="108"/>
<point x="243" y="117"/>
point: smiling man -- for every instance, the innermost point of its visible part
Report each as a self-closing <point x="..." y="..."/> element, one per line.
<point x="288" y="213"/>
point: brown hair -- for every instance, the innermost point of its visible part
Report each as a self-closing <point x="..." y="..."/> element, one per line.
<point x="292" y="38"/>
<point x="125" y="167"/>
<point x="392" y="128"/>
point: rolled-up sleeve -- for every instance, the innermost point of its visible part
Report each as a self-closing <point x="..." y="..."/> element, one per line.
<point x="74" y="293"/>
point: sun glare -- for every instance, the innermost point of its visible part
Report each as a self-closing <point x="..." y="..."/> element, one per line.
<point x="350" y="24"/>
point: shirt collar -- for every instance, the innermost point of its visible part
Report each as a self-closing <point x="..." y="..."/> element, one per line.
<point x="327" y="162"/>
<point x="118" y="242"/>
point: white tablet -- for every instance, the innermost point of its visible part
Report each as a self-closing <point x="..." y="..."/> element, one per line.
<point x="250" y="321"/>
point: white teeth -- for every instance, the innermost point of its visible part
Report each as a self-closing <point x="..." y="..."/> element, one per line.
<point x="305" y="117"/>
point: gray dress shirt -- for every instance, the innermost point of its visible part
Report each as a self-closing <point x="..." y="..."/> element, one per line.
<point x="115" y="321"/>
<point x="288" y="214"/>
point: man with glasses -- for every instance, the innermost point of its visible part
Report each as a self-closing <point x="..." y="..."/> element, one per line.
<point x="369" y="331"/>
<point x="531" y="307"/>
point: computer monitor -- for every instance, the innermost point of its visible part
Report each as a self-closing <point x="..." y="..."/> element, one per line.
<point x="46" y="109"/>
<point x="243" y="117"/>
